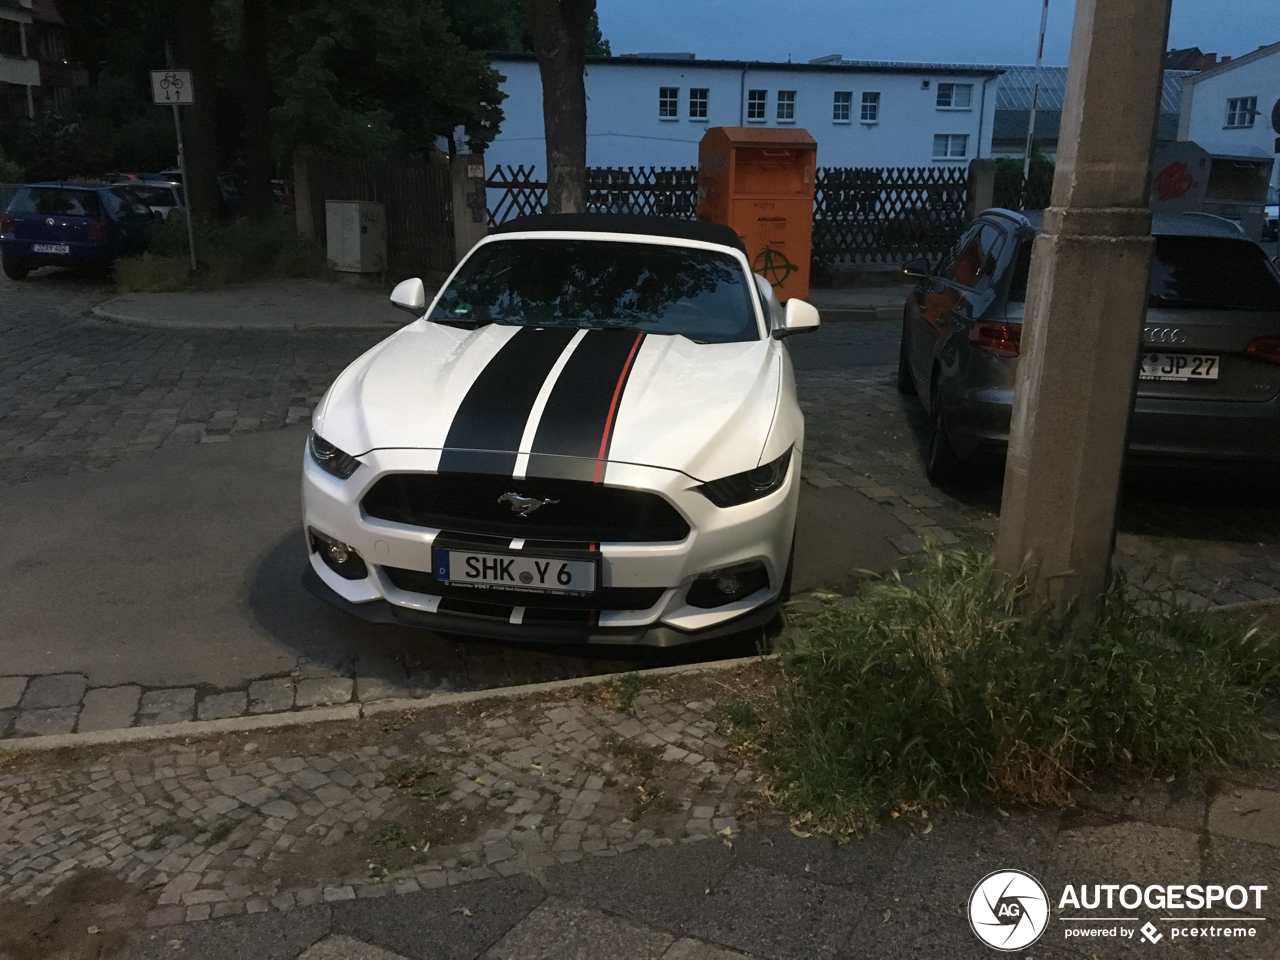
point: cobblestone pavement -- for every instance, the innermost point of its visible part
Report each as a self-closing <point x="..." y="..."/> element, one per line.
<point x="78" y="394"/>
<point x="1211" y="536"/>
<point x="610" y="820"/>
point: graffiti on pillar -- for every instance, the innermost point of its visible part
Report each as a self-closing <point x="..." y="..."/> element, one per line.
<point x="773" y="265"/>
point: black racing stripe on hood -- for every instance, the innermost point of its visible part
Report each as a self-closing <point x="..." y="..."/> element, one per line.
<point x="486" y="430"/>
<point x="578" y="419"/>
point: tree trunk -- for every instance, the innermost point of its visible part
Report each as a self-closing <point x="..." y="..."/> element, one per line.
<point x="257" y="111"/>
<point x="199" y="120"/>
<point x="559" y="31"/>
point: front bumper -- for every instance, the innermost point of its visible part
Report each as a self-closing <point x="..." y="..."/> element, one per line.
<point x="759" y="532"/>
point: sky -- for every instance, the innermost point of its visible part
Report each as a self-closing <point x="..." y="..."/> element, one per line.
<point x="950" y="31"/>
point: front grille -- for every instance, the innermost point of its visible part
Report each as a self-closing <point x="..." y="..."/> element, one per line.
<point x="470" y="502"/>
<point x="606" y="598"/>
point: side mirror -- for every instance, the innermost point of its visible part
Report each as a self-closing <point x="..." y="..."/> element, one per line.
<point x="410" y="295"/>
<point x="800" y="317"/>
<point x="919" y="268"/>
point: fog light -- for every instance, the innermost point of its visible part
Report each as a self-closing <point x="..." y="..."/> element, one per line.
<point x="718" y="587"/>
<point x="338" y="556"/>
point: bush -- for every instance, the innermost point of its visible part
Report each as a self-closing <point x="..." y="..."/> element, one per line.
<point x="231" y="253"/>
<point x="946" y="692"/>
<point x="11" y="172"/>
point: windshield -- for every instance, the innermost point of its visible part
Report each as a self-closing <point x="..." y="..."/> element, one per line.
<point x="1215" y="273"/>
<point x="700" y="294"/>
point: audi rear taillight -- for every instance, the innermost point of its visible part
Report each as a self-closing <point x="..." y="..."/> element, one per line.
<point x="1265" y="348"/>
<point x="6" y="224"/>
<point x="97" y="229"/>
<point x="997" y="339"/>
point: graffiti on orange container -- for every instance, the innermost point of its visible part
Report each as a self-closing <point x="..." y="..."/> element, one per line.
<point x="773" y="265"/>
<point x="1174" y="181"/>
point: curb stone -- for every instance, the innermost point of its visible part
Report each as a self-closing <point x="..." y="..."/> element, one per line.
<point x="352" y="711"/>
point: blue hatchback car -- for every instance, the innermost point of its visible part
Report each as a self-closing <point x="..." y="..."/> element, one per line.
<point x="70" y="225"/>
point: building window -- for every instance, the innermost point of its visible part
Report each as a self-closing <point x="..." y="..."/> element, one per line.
<point x="950" y="146"/>
<point x="955" y="96"/>
<point x="840" y="107"/>
<point x="756" y="100"/>
<point x="698" y="103"/>
<point x="11" y="38"/>
<point x="786" y="105"/>
<point x="1241" y="111"/>
<point x="871" y="107"/>
<point x="668" y="103"/>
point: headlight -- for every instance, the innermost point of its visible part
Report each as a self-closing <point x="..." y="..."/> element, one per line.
<point x="330" y="458"/>
<point x="747" y="486"/>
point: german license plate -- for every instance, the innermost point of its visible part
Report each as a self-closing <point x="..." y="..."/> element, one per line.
<point x="1178" y="366"/>
<point x="50" y="248"/>
<point x="508" y="572"/>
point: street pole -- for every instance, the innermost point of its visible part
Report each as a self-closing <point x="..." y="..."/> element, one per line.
<point x="182" y="165"/>
<point x="1035" y="97"/>
<point x="1086" y="302"/>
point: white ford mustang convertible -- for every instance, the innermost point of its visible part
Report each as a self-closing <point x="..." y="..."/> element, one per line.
<point x="591" y="434"/>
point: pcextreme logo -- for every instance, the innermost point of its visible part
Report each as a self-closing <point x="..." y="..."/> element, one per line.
<point x="1010" y="910"/>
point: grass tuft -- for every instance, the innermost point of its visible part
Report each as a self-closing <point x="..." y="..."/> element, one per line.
<point x="946" y="691"/>
<point x="625" y="689"/>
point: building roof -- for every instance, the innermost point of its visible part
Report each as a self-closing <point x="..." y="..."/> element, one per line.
<point x="841" y="66"/>
<point x="1227" y="65"/>
<point x="1011" y="125"/>
<point x="1013" y="91"/>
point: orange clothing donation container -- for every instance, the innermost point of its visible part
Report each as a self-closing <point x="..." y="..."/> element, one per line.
<point x="759" y="181"/>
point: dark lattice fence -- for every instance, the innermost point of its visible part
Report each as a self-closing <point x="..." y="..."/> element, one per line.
<point x="654" y="191"/>
<point x="418" y="198"/>
<point x="860" y="214"/>
<point x="886" y="214"/>
<point x="1014" y="193"/>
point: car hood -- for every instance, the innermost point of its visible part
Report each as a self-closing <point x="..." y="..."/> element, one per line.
<point x="566" y="399"/>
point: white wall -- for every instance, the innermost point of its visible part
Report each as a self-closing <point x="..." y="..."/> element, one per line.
<point x="624" y="129"/>
<point x="1204" y="106"/>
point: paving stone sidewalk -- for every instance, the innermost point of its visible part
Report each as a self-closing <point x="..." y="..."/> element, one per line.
<point x="595" y="822"/>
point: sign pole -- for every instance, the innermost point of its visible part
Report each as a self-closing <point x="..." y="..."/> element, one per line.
<point x="186" y="186"/>
<point x="174" y="87"/>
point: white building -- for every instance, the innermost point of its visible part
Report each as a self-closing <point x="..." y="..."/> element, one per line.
<point x="1228" y="109"/>
<point x="653" y="110"/>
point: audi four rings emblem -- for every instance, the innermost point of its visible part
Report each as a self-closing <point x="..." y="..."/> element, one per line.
<point x="1164" y="335"/>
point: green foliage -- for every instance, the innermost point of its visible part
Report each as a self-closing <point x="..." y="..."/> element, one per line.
<point x="356" y="76"/>
<point x="1009" y="190"/>
<point x="11" y="172"/>
<point x="948" y="691"/>
<point x="389" y="836"/>
<point x="625" y="689"/>
<point x="221" y="831"/>
<point x="234" y="253"/>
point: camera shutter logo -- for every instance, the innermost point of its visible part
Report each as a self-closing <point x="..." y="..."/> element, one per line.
<point x="1008" y="910"/>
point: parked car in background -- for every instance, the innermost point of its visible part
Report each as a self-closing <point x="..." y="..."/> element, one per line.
<point x="1271" y="215"/>
<point x="282" y="193"/>
<point x="71" y="225"/>
<point x="1209" y="383"/>
<point x="164" y="199"/>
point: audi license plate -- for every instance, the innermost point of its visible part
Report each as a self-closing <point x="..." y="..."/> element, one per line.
<point x="508" y="572"/>
<point x="1178" y="366"/>
<point x="50" y="248"/>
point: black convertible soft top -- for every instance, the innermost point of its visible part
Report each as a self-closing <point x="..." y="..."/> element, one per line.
<point x="627" y="223"/>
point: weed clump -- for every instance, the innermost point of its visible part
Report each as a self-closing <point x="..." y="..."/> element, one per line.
<point x="947" y="691"/>
<point x="234" y="252"/>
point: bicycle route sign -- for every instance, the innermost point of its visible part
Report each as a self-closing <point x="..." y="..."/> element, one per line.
<point x="172" y="87"/>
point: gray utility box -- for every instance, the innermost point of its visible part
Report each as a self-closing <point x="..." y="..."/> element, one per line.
<point x="357" y="235"/>
<point x="1229" y="182"/>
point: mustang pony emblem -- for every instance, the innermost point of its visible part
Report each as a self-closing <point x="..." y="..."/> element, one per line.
<point x="523" y="505"/>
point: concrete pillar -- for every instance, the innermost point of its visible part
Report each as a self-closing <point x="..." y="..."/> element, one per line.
<point x="1086" y="301"/>
<point x="302" y="210"/>
<point x="470" y="207"/>
<point x="981" y="190"/>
